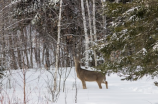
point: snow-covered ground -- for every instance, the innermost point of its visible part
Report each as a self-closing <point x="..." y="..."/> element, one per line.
<point x="38" y="82"/>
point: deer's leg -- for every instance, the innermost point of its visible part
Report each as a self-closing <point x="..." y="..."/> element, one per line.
<point x="106" y="84"/>
<point x="99" y="84"/>
<point x="84" y="84"/>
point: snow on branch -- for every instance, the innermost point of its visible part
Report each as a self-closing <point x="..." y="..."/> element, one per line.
<point x="155" y="47"/>
<point x="15" y="2"/>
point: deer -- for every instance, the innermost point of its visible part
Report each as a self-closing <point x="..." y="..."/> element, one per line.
<point x="87" y="75"/>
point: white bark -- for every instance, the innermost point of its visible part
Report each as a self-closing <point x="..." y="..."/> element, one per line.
<point x="86" y="35"/>
<point x="91" y="33"/>
<point x="117" y="1"/>
<point x="90" y="25"/>
<point x="58" y="46"/>
<point x="94" y="22"/>
<point x="94" y="29"/>
<point x="104" y="16"/>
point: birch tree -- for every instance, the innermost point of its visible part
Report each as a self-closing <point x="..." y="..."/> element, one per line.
<point x="85" y="33"/>
<point x="104" y="16"/>
<point x="2" y="38"/>
<point x="94" y="31"/>
<point x="117" y="1"/>
<point x="90" y="24"/>
<point x="58" y="47"/>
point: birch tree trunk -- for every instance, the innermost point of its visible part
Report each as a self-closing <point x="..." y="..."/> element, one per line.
<point x="104" y="16"/>
<point x="117" y="1"/>
<point x="31" y="50"/>
<point x="91" y="33"/>
<point x="58" y="47"/>
<point x="90" y="25"/>
<point x="86" y="35"/>
<point x="25" y="39"/>
<point x="19" y="53"/>
<point x="3" y="55"/>
<point x="12" y="56"/>
<point x="94" y="29"/>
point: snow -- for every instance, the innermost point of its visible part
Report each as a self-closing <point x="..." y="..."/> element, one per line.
<point x="131" y="10"/>
<point x="155" y="47"/>
<point x="53" y="2"/>
<point x="142" y="91"/>
<point x="144" y="51"/>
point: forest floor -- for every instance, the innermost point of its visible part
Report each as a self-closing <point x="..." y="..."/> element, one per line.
<point x="39" y="84"/>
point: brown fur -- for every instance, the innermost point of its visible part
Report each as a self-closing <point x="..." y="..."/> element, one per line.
<point x="86" y="75"/>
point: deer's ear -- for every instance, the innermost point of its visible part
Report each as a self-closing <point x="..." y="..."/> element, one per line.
<point x="76" y="57"/>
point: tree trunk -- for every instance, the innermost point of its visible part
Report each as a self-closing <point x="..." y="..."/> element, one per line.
<point x="46" y="57"/>
<point x="3" y="34"/>
<point x="43" y="54"/>
<point x="19" y="58"/>
<point x="58" y="47"/>
<point x="37" y="52"/>
<point x="94" y="29"/>
<point x="39" y="56"/>
<point x="104" y="16"/>
<point x="90" y="25"/>
<point x="13" y="61"/>
<point x="25" y="45"/>
<point x="117" y="1"/>
<point x="86" y="35"/>
<point x="31" y="50"/>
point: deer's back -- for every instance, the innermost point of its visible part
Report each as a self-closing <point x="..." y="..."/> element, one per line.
<point x="90" y="75"/>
